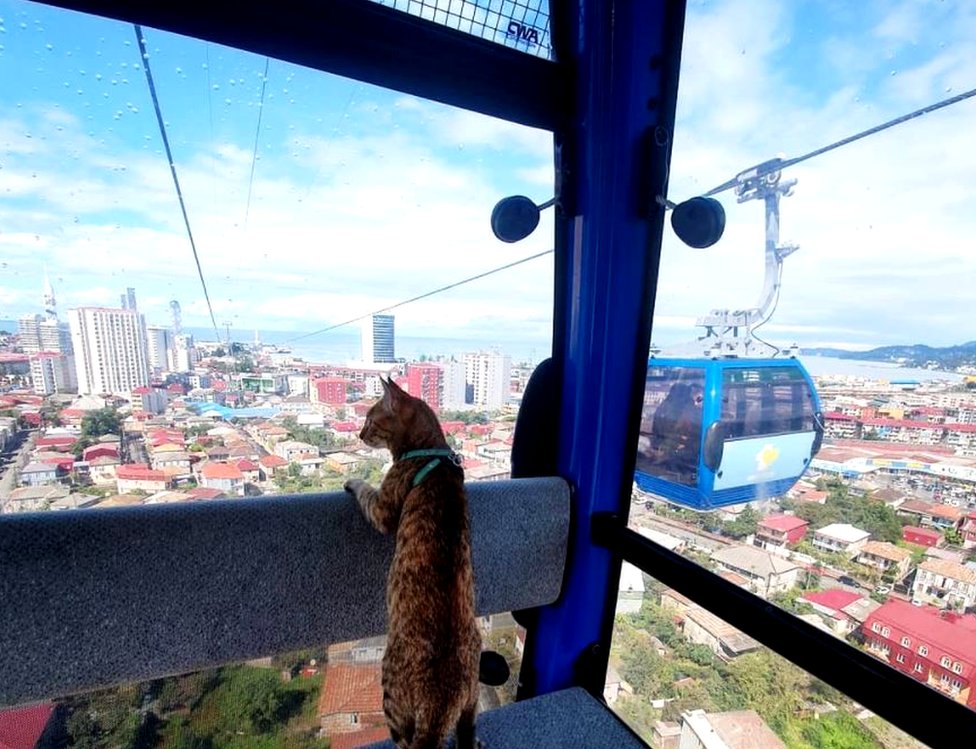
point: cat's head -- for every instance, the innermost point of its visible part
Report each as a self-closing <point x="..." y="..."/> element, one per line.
<point x="399" y="421"/>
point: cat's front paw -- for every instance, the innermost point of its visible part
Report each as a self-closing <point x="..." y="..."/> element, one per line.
<point x="353" y="486"/>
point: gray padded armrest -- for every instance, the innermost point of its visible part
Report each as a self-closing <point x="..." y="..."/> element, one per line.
<point x="90" y="598"/>
<point x="570" y="719"/>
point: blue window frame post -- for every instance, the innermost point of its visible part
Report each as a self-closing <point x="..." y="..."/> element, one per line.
<point x="611" y="163"/>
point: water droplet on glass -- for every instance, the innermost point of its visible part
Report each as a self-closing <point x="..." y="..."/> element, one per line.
<point x="948" y="89"/>
<point x="894" y="72"/>
<point x="215" y="87"/>
<point x="115" y="82"/>
<point x="98" y="76"/>
<point x="179" y="70"/>
<point x="127" y="43"/>
<point x="227" y="101"/>
<point x="49" y="47"/>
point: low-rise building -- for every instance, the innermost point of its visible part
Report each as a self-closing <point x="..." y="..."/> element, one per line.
<point x="841" y="537"/>
<point x="885" y="557"/>
<point x="767" y="573"/>
<point x="944" y="583"/>
<point x="139" y="477"/>
<point x="727" y="642"/>
<point x="269" y="465"/>
<point x="780" y="531"/>
<point x="932" y="646"/>
<point x="38" y="474"/>
<point x="921" y="536"/>
<point x="968" y="530"/>
<point x="739" y="729"/>
<point x="291" y="449"/>
<point x="223" y="476"/>
<point x="831" y="605"/>
<point x="351" y="699"/>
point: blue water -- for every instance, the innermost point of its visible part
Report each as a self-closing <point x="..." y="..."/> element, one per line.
<point x="339" y="347"/>
<point x="827" y="365"/>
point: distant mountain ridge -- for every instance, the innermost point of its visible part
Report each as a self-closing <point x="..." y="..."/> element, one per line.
<point x="914" y="355"/>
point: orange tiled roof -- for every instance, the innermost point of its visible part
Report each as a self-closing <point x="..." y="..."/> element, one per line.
<point x="352" y="688"/>
<point x="359" y="738"/>
<point x="221" y="471"/>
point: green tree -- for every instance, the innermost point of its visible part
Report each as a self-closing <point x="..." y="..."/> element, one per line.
<point x="953" y="536"/>
<point x="745" y="524"/>
<point x="100" y="422"/>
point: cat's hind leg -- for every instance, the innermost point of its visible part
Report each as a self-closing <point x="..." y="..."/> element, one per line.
<point x="465" y="728"/>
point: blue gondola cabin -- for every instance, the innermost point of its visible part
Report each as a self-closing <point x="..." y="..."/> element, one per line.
<point x="719" y="432"/>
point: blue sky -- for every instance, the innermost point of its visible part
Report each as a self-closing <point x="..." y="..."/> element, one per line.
<point x="362" y="197"/>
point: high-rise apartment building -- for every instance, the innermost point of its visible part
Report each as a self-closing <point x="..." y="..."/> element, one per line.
<point x="37" y="333"/>
<point x="426" y="381"/>
<point x="488" y="376"/>
<point x="183" y="355"/>
<point x="111" y="354"/>
<point x="159" y="341"/>
<point x="378" y="339"/>
<point x="453" y="386"/>
<point x="128" y="299"/>
<point x="52" y="372"/>
<point x="48" y="344"/>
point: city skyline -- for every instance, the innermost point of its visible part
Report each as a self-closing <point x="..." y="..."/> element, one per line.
<point x="363" y="197"/>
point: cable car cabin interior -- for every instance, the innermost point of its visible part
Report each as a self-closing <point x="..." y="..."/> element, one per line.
<point x="95" y="600"/>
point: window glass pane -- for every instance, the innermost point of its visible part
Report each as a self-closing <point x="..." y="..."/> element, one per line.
<point x="680" y="676"/>
<point x="850" y="261"/>
<point x="337" y="230"/>
<point x="671" y="421"/>
<point x="519" y="24"/>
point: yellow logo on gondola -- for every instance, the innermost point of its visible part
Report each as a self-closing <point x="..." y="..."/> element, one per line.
<point x="766" y="457"/>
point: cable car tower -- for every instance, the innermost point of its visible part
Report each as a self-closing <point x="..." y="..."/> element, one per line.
<point x="729" y="333"/>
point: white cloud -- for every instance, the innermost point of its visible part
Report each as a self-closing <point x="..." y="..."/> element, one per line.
<point x="372" y="198"/>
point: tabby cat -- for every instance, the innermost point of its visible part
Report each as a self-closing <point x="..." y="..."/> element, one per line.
<point x="430" y="669"/>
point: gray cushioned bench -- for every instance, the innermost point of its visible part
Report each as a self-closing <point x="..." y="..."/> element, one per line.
<point x="94" y="598"/>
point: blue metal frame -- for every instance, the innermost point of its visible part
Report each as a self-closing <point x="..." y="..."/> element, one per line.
<point x="610" y="167"/>
<point x="703" y="495"/>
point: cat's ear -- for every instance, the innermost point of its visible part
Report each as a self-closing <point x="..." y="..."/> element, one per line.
<point x="391" y="392"/>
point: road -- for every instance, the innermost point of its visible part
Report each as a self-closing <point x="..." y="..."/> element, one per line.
<point x="14" y="457"/>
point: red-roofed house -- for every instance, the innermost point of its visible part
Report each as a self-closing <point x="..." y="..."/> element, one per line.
<point x="921" y="536"/>
<point x="968" y="529"/>
<point x="249" y="470"/>
<point x="359" y="738"/>
<point x="352" y="698"/>
<point x="60" y="443"/>
<point x="224" y="476"/>
<point x="830" y="605"/>
<point x="100" y="451"/>
<point x="933" y="647"/>
<point x="29" y="727"/>
<point x="269" y="464"/>
<point x="101" y="470"/>
<point x="780" y="530"/>
<point x="72" y="416"/>
<point x="344" y="428"/>
<point x="452" y="427"/>
<point x="140" y="477"/>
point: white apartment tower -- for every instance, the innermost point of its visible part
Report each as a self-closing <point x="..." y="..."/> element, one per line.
<point x="111" y="352"/>
<point x="453" y="393"/>
<point x="489" y="377"/>
<point x="182" y="355"/>
<point x="48" y="343"/>
<point x="159" y="341"/>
